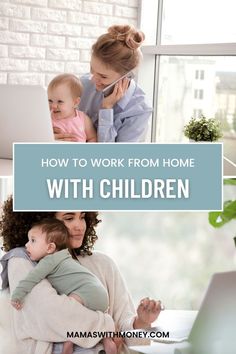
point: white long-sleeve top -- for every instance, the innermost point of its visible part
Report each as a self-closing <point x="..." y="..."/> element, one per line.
<point x="46" y="317"/>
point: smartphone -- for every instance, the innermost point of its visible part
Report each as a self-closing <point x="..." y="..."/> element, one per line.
<point x="109" y="89"/>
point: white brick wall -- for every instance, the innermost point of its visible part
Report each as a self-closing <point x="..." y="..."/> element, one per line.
<point x="41" y="38"/>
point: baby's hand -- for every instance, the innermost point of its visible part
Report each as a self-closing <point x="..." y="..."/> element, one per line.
<point x="59" y="135"/>
<point x="17" y="304"/>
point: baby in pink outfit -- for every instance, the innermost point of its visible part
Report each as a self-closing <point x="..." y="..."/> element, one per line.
<point x="64" y="93"/>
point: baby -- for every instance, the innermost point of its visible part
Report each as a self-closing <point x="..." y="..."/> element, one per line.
<point x="64" y="93"/>
<point x="47" y="244"/>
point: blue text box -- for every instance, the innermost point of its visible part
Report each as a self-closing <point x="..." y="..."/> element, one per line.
<point x="97" y="176"/>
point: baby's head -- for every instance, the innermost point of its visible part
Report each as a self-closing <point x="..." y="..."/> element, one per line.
<point x="64" y="93"/>
<point x="46" y="237"/>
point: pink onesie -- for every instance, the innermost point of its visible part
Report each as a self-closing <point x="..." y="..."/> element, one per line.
<point x="74" y="125"/>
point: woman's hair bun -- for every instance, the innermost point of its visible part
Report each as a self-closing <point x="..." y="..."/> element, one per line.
<point x="128" y="34"/>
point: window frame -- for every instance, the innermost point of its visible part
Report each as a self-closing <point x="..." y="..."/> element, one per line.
<point x="154" y="53"/>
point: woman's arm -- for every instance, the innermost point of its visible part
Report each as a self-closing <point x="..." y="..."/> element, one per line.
<point x="121" y="306"/>
<point x="47" y="316"/>
<point x="125" y="120"/>
<point x="132" y="129"/>
<point x="124" y="312"/>
<point x="90" y="131"/>
<point x="38" y="273"/>
<point x="128" y="120"/>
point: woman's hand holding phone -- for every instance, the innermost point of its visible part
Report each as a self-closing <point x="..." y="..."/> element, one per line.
<point x="119" y="91"/>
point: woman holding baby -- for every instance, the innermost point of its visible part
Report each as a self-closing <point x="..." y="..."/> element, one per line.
<point x="46" y="316"/>
<point x="122" y="113"/>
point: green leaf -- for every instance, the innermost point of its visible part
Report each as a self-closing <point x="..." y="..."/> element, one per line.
<point x="231" y="181"/>
<point x="218" y="219"/>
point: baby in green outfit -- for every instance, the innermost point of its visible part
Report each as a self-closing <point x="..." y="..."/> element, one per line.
<point x="48" y="244"/>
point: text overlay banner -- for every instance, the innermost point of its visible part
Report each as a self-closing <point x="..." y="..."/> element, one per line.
<point x="77" y="176"/>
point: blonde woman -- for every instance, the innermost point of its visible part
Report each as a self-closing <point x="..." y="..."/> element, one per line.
<point x="122" y="114"/>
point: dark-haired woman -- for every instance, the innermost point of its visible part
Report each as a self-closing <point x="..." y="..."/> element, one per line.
<point x="48" y="317"/>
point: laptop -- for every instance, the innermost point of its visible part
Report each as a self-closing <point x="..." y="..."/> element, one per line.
<point x="24" y="117"/>
<point x="215" y="324"/>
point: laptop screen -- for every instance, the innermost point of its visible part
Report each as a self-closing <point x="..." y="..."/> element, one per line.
<point x="215" y="323"/>
<point x="24" y="116"/>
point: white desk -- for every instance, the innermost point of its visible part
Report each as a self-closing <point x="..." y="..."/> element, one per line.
<point x="161" y="348"/>
<point x="170" y="320"/>
<point x="5" y="167"/>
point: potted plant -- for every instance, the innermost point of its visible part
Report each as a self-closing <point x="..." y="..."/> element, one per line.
<point x="220" y="218"/>
<point x="203" y="129"/>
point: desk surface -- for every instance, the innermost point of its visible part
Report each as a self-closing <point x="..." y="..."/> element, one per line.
<point x="169" y="320"/>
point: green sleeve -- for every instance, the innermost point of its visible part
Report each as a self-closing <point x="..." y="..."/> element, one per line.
<point x="41" y="271"/>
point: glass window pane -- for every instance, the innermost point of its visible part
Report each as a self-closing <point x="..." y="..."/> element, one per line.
<point x="191" y="86"/>
<point x="202" y="21"/>
<point x="5" y="188"/>
<point x="148" y="23"/>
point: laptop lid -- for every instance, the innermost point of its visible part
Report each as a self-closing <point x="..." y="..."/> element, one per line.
<point x="215" y="323"/>
<point x="24" y="116"/>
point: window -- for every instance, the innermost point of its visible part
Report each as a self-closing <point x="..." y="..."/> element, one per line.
<point x="197" y="113"/>
<point x="5" y="188"/>
<point x="189" y="69"/>
<point x="198" y="94"/>
<point x="199" y="74"/>
<point x="189" y="66"/>
<point x="197" y="22"/>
